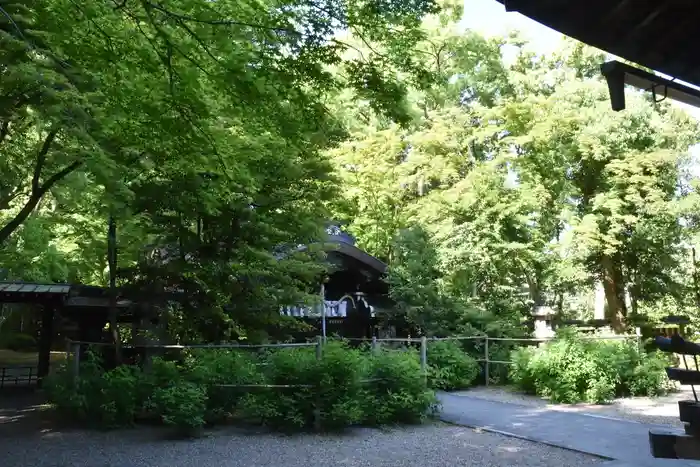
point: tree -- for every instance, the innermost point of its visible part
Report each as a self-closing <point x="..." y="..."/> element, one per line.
<point x="197" y="127"/>
<point x="529" y="187"/>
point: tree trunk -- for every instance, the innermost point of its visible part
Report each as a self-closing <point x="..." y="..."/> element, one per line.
<point x="113" y="311"/>
<point x="696" y="285"/>
<point x="614" y="287"/>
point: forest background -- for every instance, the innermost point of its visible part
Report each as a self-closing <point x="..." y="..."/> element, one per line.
<point x="490" y="178"/>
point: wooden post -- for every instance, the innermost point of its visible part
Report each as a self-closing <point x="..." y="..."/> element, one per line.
<point x="319" y="347"/>
<point x="424" y="358"/>
<point x="375" y="345"/>
<point x="317" y="409"/>
<point x="486" y="360"/>
<point x="638" y="333"/>
<point x="45" y="338"/>
<point x="75" y="370"/>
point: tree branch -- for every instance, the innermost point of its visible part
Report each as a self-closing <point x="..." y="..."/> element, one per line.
<point x="41" y="160"/>
<point x="38" y="189"/>
<point x="4" y="130"/>
<point x="58" y="176"/>
<point x="222" y="22"/>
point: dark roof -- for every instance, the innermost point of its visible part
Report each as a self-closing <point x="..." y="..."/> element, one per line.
<point x="657" y="34"/>
<point x="24" y="287"/>
<point x="341" y="246"/>
<point x="30" y="292"/>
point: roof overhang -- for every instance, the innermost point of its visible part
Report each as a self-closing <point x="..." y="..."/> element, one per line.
<point x="362" y="256"/>
<point x="655" y="34"/>
<point x="618" y="74"/>
<point x="25" y="292"/>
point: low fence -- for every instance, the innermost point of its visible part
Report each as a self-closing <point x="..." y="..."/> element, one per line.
<point x="74" y="357"/>
<point x="18" y="376"/>
<point x="484" y="344"/>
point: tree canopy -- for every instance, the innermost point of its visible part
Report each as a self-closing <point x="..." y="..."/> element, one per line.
<point x="217" y="134"/>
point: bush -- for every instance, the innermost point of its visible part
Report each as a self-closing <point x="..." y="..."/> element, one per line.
<point x="182" y="405"/>
<point x="343" y="388"/>
<point x="221" y="370"/>
<point x="570" y="370"/>
<point x="21" y="342"/>
<point x="649" y="376"/>
<point x="106" y="399"/>
<point x="397" y="392"/>
<point x="450" y="368"/>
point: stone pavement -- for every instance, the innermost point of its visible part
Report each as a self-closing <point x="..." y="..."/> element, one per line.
<point x="624" y="443"/>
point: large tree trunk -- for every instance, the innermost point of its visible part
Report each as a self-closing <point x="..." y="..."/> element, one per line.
<point x="614" y="287"/>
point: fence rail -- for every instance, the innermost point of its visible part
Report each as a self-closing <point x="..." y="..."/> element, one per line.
<point x="18" y="376"/>
<point x="376" y="343"/>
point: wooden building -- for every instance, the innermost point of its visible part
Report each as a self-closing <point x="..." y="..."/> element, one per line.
<point x="353" y="294"/>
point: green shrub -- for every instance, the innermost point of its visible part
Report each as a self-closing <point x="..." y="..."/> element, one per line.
<point x="339" y="376"/>
<point x="106" y="399"/>
<point x="397" y="392"/>
<point x="570" y="369"/>
<point x="649" y="376"/>
<point x="182" y="404"/>
<point x="283" y="407"/>
<point x="450" y="368"/>
<point x="76" y="398"/>
<point x="521" y="373"/>
<point x="21" y="342"/>
<point x="333" y="385"/>
<point x="286" y="389"/>
<point x="120" y="396"/>
<point x="221" y="371"/>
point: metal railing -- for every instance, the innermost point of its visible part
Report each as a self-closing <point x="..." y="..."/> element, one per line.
<point x="17" y="376"/>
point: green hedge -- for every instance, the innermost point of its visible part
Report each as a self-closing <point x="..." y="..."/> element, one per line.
<point x="345" y="387"/>
<point x="570" y="369"/>
<point x="449" y="367"/>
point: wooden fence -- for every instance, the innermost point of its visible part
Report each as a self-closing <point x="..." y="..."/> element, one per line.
<point x="73" y="355"/>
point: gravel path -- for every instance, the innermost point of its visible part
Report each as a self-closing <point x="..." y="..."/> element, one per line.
<point x="661" y="410"/>
<point x="430" y="445"/>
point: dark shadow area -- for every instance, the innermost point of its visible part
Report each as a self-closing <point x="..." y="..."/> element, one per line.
<point x="24" y="413"/>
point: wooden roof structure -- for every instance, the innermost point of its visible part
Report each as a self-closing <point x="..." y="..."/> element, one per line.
<point x="340" y="245"/>
<point x="656" y="34"/>
<point x="24" y="292"/>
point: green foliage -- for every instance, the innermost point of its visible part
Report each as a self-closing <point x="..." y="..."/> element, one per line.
<point x="181" y="404"/>
<point x="334" y="383"/>
<point x="527" y="187"/>
<point x="209" y="368"/>
<point x="201" y="128"/>
<point x="450" y="368"/>
<point x="398" y="391"/>
<point x="570" y="369"/>
<point x="105" y="399"/>
<point x="345" y="387"/>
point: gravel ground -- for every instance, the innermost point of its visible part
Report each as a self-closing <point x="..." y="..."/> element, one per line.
<point x="660" y="410"/>
<point x="429" y="445"/>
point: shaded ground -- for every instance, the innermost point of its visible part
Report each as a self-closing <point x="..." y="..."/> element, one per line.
<point x="659" y="410"/>
<point x="12" y="358"/>
<point x="29" y="438"/>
